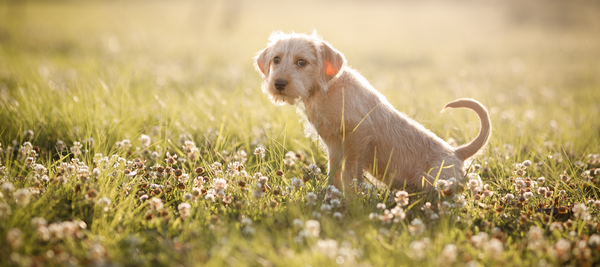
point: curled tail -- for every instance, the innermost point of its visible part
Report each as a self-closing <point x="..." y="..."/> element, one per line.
<point x="468" y="150"/>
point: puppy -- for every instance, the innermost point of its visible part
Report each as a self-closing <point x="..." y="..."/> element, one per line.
<point x="360" y="128"/>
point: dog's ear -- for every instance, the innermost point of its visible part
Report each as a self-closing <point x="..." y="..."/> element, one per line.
<point x="332" y="61"/>
<point x="261" y="62"/>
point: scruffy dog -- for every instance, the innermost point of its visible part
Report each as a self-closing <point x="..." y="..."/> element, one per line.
<point x="361" y="129"/>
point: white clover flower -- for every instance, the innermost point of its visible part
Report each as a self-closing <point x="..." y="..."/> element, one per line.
<point x="156" y="204"/>
<point x="188" y="196"/>
<point x="417" y="250"/>
<point x="328" y="247"/>
<point x="448" y="255"/>
<point x="401" y="198"/>
<point x="21" y="197"/>
<point x="145" y="140"/>
<point x="326" y="208"/>
<point x="104" y="202"/>
<point x="314" y="169"/>
<point x="336" y="203"/>
<point x="8" y="187"/>
<point x="210" y="197"/>
<point x="494" y="248"/>
<point x="313" y="228"/>
<point x="338" y="215"/>
<point x="260" y="151"/>
<point x="184" y="209"/>
<point x="535" y="233"/>
<point x="219" y="184"/>
<point x="298" y="223"/>
<point x="246" y="221"/>
<point x="5" y="210"/>
<point x="296" y="183"/>
<point x="311" y="199"/>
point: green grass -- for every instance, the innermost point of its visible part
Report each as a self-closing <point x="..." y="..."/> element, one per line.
<point x="75" y="71"/>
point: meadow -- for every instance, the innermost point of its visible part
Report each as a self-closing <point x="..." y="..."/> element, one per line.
<point x="135" y="133"/>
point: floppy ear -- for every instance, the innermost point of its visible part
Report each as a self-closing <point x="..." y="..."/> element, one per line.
<point x="332" y="61"/>
<point x="261" y="62"/>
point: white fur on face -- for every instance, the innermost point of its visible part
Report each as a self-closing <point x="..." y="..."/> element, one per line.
<point x="301" y="79"/>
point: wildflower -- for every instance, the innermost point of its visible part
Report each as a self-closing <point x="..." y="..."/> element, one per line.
<point x="313" y="228"/>
<point x="542" y="190"/>
<point x="258" y="191"/>
<point x="398" y="213"/>
<point x="156" y="204"/>
<point x="328" y="247"/>
<point x="313" y="169"/>
<point x="336" y="203"/>
<point x="381" y="206"/>
<point x="290" y="158"/>
<point x="8" y="187"/>
<point x="184" y="209"/>
<point x="596" y="204"/>
<point x="580" y="211"/>
<point x="260" y="151"/>
<point x="246" y="221"/>
<point x="76" y="149"/>
<point x="562" y="192"/>
<point x="417" y="250"/>
<point x="416" y="227"/>
<point x="296" y="182"/>
<point x="248" y="230"/>
<point x="562" y="249"/>
<point x="326" y="208"/>
<point x="311" y="199"/>
<point x="479" y="239"/>
<point x="5" y="210"/>
<point x="338" y="215"/>
<point x="298" y="223"/>
<point x="474" y="182"/>
<point x="541" y="180"/>
<point x="13" y="238"/>
<point x="535" y="233"/>
<point x="219" y="184"/>
<point x="210" y="197"/>
<point x="594" y="241"/>
<point x="527" y="195"/>
<point x="145" y="140"/>
<point x="144" y="197"/>
<point x="526" y="163"/>
<point x="494" y="248"/>
<point x="448" y="255"/>
<point x="21" y="197"/>
<point x="401" y="198"/>
<point x="263" y="180"/>
<point x="188" y="196"/>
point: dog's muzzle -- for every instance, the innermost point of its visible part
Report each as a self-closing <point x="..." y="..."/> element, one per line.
<point x="280" y="84"/>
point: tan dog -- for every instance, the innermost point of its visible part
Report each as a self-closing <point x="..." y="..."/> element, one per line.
<point x="372" y="136"/>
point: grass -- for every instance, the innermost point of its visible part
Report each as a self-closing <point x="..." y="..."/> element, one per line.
<point x="98" y="73"/>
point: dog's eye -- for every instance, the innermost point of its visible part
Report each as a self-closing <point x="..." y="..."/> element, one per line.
<point x="276" y="60"/>
<point x="301" y="62"/>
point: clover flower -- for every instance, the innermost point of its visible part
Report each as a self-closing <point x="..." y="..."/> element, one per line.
<point x="401" y="198"/>
<point x="494" y="248"/>
<point x="296" y="183"/>
<point x="448" y="255"/>
<point x="417" y="249"/>
<point x="13" y="238"/>
<point x="184" y="209"/>
<point x="260" y="152"/>
<point x="21" y="197"/>
<point x="5" y="210"/>
<point x="311" y="199"/>
<point x="313" y="228"/>
<point x="104" y="202"/>
<point x="145" y="140"/>
<point x="313" y="169"/>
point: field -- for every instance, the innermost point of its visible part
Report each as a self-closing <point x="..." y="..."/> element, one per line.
<point x="135" y="133"/>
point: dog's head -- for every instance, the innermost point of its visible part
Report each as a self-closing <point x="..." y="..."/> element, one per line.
<point x="295" y="66"/>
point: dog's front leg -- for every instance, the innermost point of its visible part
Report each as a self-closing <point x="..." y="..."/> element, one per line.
<point x="345" y="164"/>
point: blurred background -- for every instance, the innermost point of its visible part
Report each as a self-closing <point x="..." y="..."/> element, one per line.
<point x="533" y="63"/>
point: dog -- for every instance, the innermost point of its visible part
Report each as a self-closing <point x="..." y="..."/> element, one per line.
<point x="361" y="130"/>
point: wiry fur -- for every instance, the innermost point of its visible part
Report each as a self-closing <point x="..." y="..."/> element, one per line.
<point x="372" y="136"/>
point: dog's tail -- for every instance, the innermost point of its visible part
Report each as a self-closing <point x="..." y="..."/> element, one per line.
<point x="468" y="150"/>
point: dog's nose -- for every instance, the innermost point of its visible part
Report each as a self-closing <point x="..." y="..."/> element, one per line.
<point x="280" y="84"/>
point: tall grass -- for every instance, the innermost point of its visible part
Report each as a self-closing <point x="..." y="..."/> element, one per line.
<point x="102" y="72"/>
